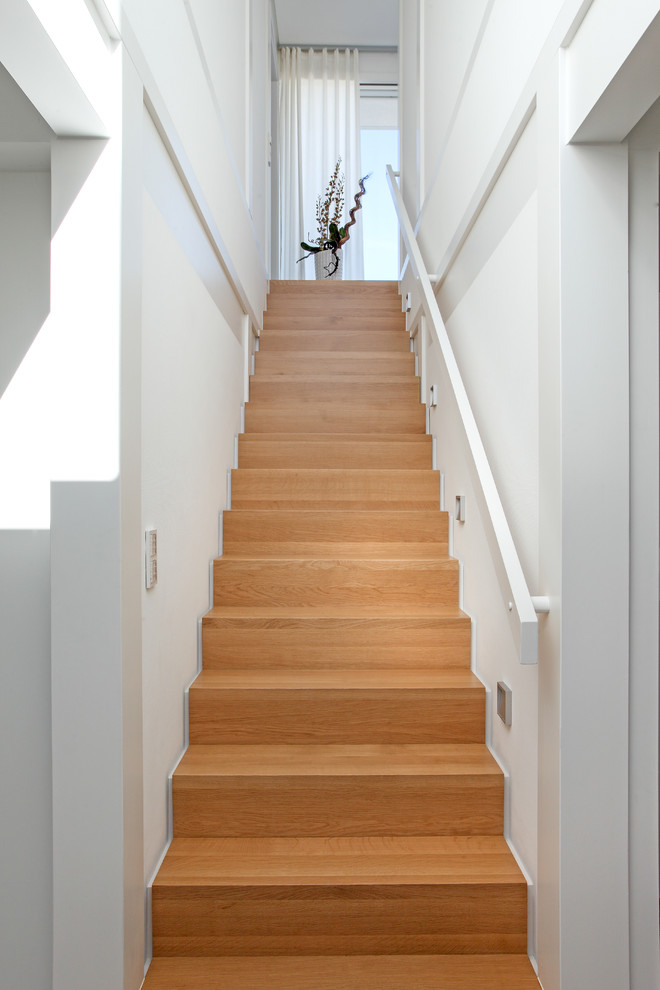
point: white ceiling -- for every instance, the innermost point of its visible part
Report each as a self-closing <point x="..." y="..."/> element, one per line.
<point x="338" y="23"/>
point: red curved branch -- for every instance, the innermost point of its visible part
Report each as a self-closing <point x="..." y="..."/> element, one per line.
<point x="358" y="206"/>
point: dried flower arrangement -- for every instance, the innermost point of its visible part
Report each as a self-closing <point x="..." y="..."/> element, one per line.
<point x="329" y="211"/>
<point x="334" y="193"/>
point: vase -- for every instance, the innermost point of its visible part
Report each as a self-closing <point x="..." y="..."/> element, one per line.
<point x="324" y="263"/>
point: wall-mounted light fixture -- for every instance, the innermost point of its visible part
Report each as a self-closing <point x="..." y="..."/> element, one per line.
<point x="504" y="702"/>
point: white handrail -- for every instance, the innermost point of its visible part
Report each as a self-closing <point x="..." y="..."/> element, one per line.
<point x="521" y="604"/>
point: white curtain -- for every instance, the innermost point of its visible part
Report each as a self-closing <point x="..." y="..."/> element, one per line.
<point x="319" y="122"/>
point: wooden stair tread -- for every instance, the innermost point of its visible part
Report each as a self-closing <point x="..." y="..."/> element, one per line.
<point x="345" y="341"/>
<point x="352" y="359"/>
<point x="329" y="789"/>
<point x="363" y="287"/>
<point x="324" y="564"/>
<point x="355" y="405"/>
<point x="282" y="301"/>
<point x="337" y="614"/>
<point x="344" y="475"/>
<point x="308" y="310"/>
<point x="336" y="706"/>
<point x="356" y="363"/>
<point x="335" y="532"/>
<point x="377" y="438"/>
<point x="368" y="298"/>
<point x="379" y="415"/>
<point x="510" y="971"/>
<point x="329" y="549"/>
<point x="400" y="392"/>
<point x="356" y="380"/>
<point x="341" y="581"/>
<point x="418" y="860"/>
<point x="329" y="450"/>
<point x="335" y="488"/>
<point x="456" y="681"/>
<point x="345" y="637"/>
<point x="362" y="760"/>
<point x="365" y="322"/>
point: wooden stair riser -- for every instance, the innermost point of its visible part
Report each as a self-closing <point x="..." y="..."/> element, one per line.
<point x="364" y="322"/>
<point x="358" y="972"/>
<point x="310" y="306"/>
<point x="326" y="391"/>
<point x="339" y="293"/>
<point x="285" y="533"/>
<point x="335" y="582"/>
<point x="298" y="805"/>
<point x="286" y="363"/>
<point x="402" y="416"/>
<point x="326" y="716"/>
<point x="353" y="301"/>
<point x="386" y="919"/>
<point x="335" y="452"/>
<point x="339" y="341"/>
<point x="345" y="643"/>
<point x="288" y="488"/>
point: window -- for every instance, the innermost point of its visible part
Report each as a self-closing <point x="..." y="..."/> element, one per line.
<point x="379" y="147"/>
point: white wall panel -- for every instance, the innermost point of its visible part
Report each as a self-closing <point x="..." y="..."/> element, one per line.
<point x="26" y="822"/>
<point x="446" y="73"/>
<point x="489" y="303"/>
<point x="607" y="37"/>
<point x="513" y="39"/>
<point x="493" y="333"/>
<point x="192" y="389"/>
<point x="496" y="655"/>
<point x="24" y="264"/>
<point x="222" y="27"/>
<point x="644" y="175"/>
<point x="181" y="84"/>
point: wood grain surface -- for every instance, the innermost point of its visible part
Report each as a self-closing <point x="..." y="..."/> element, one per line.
<point x="337" y="816"/>
<point x="324" y="451"/>
<point x="418" y="972"/>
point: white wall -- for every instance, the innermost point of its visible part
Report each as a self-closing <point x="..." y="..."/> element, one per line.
<point x="504" y="48"/>
<point x="176" y="48"/>
<point x="82" y="392"/>
<point x="24" y="264"/>
<point x="260" y="126"/>
<point x="223" y="31"/>
<point x="192" y="382"/>
<point x="87" y="773"/>
<point x="489" y="301"/>
<point x="595" y="562"/>
<point x="410" y="68"/>
<point x="529" y="236"/>
<point x="644" y="144"/>
<point x="26" y="823"/>
<point x="448" y="74"/>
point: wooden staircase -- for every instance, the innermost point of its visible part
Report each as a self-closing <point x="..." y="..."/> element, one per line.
<point x="337" y="816"/>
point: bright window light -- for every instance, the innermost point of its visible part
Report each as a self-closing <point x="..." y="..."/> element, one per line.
<point x="378" y="148"/>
